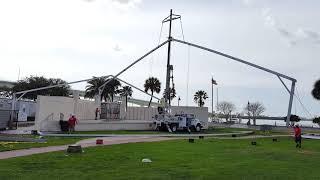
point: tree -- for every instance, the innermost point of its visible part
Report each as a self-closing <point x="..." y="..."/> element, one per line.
<point x="126" y="91"/>
<point x="153" y="84"/>
<point x="58" y="91"/>
<point x="92" y="89"/>
<point x="112" y="88"/>
<point x="34" y="82"/>
<point x="316" y="90"/>
<point x="108" y="92"/>
<point x="199" y="97"/>
<point x="172" y="93"/>
<point x="316" y="120"/>
<point x="293" y="119"/>
<point x="254" y="109"/>
<point x="226" y="108"/>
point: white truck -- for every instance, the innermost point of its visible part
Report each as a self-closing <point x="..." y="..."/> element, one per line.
<point x="172" y="123"/>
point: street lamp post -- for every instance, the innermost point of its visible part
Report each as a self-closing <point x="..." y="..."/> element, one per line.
<point x="248" y="107"/>
<point x="179" y="99"/>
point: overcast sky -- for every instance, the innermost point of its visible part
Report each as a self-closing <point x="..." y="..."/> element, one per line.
<point x="78" y="39"/>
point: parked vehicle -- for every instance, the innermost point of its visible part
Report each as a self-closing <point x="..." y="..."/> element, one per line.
<point x="172" y="123"/>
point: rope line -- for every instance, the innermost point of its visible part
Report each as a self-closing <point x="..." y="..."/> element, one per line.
<point x="302" y="105"/>
<point x="181" y="29"/>
<point x="152" y="59"/>
<point x="188" y="66"/>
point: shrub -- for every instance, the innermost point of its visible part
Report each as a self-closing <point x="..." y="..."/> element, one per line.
<point x="316" y="120"/>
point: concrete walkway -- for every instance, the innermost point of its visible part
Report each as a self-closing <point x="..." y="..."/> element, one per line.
<point x="149" y="135"/>
<point x="84" y="143"/>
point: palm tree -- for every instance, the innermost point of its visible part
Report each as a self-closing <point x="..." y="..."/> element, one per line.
<point x="112" y="88"/>
<point x="172" y="93"/>
<point x="199" y="97"/>
<point x="92" y="88"/>
<point x="125" y="92"/>
<point x="153" y="84"/>
<point x="316" y="90"/>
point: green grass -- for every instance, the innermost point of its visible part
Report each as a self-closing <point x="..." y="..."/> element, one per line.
<point x="177" y="159"/>
<point x="51" y="141"/>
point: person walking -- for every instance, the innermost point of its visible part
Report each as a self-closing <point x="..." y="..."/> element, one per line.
<point x="297" y="136"/>
<point x="72" y="123"/>
<point x="97" y="113"/>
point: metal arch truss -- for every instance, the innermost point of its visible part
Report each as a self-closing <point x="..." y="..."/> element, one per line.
<point x="101" y="88"/>
<point x="279" y="75"/>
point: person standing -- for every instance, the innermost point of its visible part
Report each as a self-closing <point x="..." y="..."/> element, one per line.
<point x="72" y="123"/>
<point x="297" y="136"/>
<point x="97" y="113"/>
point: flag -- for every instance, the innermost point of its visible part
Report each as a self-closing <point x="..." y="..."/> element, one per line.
<point x="213" y="81"/>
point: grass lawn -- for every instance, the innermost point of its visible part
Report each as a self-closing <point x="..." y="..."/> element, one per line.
<point x="51" y="141"/>
<point x="176" y="159"/>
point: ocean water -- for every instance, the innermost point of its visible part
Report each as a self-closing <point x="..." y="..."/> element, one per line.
<point x="277" y="122"/>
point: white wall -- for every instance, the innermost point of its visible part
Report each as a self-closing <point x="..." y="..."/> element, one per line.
<point x="49" y="109"/>
<point x="138" y="113"/>
<point x="145" y="113"/>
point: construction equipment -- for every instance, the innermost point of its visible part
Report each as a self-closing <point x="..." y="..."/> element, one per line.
<point x="172" y="123"/>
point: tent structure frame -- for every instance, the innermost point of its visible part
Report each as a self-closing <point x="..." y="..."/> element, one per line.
<point x="169" y="19"/>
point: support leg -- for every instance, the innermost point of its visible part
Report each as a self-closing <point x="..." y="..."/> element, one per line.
<point x="13" y="104"/>
<point x="290" y="103"/>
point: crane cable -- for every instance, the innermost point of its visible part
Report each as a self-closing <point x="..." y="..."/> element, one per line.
<point x="302" y="105"/>
<point x="152" y="56"/>
<point x="188" y="66"/>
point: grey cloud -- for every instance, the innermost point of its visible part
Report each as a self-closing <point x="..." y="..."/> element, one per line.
<point x="284" y="32"/>
<point x="122" y="1"/>
<point x="308" y="34"/>
<point x="293" y="36"/>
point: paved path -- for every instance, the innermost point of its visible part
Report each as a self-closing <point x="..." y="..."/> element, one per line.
<point x="149" y="135"/>
<point x="84" y="143"/>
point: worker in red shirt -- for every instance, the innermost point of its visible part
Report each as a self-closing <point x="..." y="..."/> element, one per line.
<point x="297" y="136"/>
<point x="72" y="123"/>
